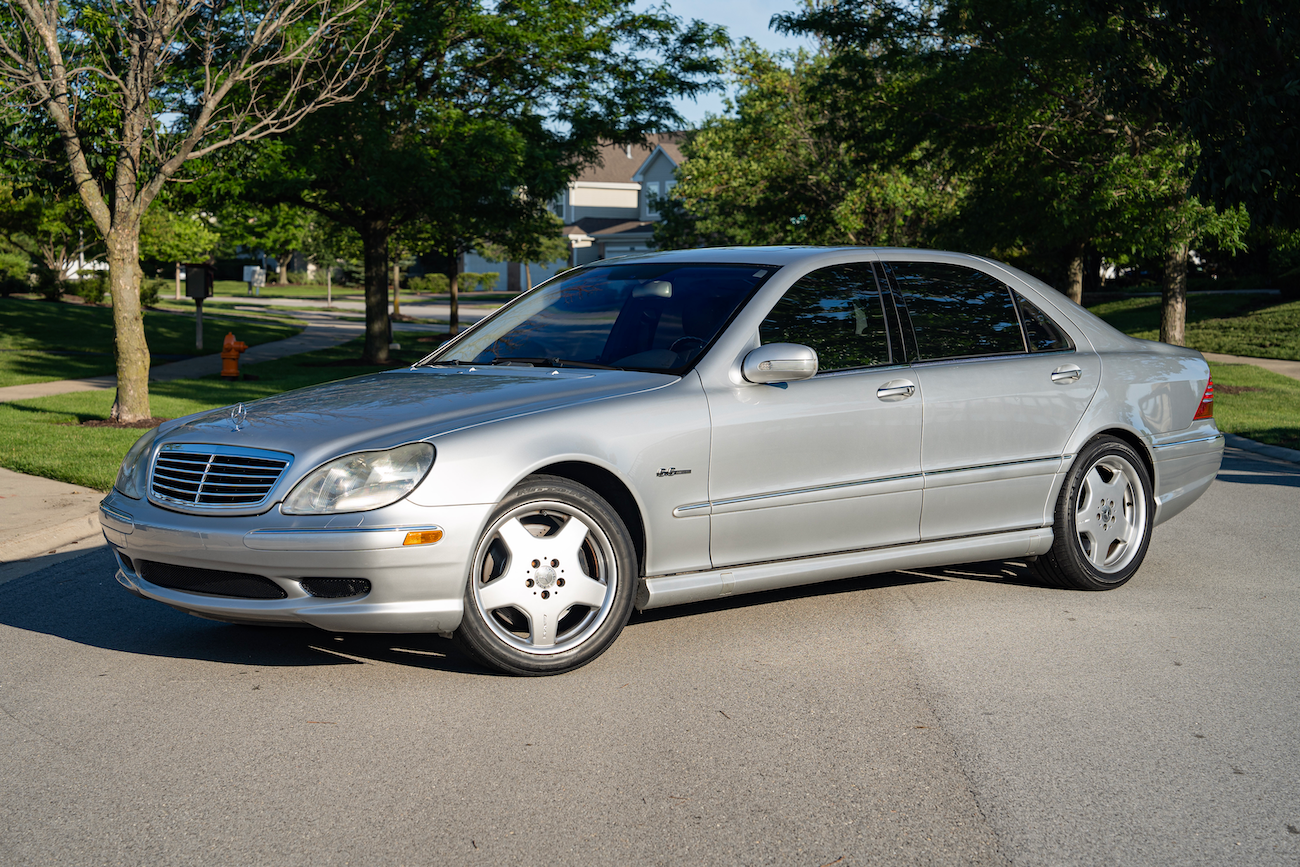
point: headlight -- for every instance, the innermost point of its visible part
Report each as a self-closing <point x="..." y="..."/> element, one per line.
<point x="133" y="470"/>
<point x="356" y="483"/>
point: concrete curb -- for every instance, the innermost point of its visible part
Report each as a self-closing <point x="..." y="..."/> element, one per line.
<point x="48" y="540"/>
<point x="1279" y="452"/>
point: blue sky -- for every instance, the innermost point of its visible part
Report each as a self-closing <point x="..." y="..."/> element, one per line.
<point x="742" y="18"/>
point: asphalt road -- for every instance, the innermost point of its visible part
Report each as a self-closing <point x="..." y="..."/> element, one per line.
<point x="961" y="716"/>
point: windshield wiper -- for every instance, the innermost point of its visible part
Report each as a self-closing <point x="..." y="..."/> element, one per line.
<point x="550" y="362"/>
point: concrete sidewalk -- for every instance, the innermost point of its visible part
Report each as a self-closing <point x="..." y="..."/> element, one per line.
<point x="1277" y="365"/>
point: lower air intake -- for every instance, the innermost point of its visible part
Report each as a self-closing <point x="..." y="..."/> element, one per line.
<point x="336" y="588"/>
<point x="213" y="582"/>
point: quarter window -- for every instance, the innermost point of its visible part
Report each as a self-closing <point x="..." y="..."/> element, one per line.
<point x="957" y="312"/>
<point x="838" y="312"/>
<point x="1041" y="333"/>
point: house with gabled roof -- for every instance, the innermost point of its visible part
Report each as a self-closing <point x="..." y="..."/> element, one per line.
<point x="608" y="210"/>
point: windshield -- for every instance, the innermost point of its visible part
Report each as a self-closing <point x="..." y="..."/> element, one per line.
<point x="651" y="316"/>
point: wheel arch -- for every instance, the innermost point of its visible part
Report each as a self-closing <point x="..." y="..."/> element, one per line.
<point x="613" y="490"/>
<point x="1139" y="445"/>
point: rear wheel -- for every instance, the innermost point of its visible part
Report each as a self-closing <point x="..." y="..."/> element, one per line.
<point x="1103" y="523"/>
<point x="552" y="581"/>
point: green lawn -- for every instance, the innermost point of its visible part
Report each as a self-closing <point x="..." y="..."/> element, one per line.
<point x="1258" y="326"/>
<point x="44" y="436"/>
<point x="1257" y="403"/>
<point x="40" y="341"/>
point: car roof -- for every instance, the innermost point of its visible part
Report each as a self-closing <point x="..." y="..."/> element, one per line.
<point x="774" y="255"/>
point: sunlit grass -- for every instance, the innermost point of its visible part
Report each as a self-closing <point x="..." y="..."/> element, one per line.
<point x="45" y="437"/>
<point x="1258" y="326"/>
<point x="35" y="334"/>
<point x="1257" y="403"/>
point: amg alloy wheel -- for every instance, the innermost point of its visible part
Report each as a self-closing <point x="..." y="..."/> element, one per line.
<point x="1104" y="516"/>
<point x="552" y="581"/>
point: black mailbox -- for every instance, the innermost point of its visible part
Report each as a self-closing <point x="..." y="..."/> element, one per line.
<point x="199" y="279"/>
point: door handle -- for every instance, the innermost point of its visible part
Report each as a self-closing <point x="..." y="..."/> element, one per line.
<point x="1067" y="373"/>
<point x="896" y="389"/>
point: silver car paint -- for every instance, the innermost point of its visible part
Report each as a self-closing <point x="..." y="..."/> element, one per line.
<point x="515" y="421"/>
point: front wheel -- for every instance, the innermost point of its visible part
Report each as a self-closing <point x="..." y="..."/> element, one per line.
<point x="552" y="581"/>
<point x="1103" y="523"/>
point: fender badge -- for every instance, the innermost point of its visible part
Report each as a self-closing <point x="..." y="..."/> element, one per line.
<point x="239" y="415"/>
<point x="672" y="471"/>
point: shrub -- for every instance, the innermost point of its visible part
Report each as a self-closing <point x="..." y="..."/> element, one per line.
<point x="470" y="282"/>
<point x="149" y="291"/>
<point x="435" y="284"/>
<point x="92" y="288"/>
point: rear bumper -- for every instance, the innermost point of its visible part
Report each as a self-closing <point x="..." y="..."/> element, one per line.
<point x="1185" y="467"/>
<point x="413" y="588"/>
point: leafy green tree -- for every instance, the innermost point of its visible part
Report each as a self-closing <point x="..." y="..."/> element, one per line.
<point x="168" y="236"/>
<point x="775" y="169"/>
<point x="1008" y="91"/>
<point x="132" y="92"/>
<point x="1227" y="73"/>
<point x="52" y="232"/>
<point x="482" y="114"/>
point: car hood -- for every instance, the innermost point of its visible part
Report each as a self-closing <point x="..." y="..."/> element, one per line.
<point x="385" y="409"/>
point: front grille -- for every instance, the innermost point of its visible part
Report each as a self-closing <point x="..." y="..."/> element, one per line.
<point x="213" y="582"/>
<point x="336" y="588"/>
<point x="203" y="476"/>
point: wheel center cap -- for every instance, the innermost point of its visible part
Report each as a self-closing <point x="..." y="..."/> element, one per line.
<point x="1105" y="514"/>
<point x="544" y="576"/>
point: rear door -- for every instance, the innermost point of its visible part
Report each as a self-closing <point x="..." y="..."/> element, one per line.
<point x="1003" y="388"/>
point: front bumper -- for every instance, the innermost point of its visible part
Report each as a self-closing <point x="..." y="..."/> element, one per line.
<point x="413" y="588"/>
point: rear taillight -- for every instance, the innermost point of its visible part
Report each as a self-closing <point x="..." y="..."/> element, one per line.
<point x="1206" y="409"/>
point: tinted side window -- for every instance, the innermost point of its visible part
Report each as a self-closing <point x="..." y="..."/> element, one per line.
<point x="956" y="311"/>
<point x="838" y="312"/>
<point x="1041" y="333"/>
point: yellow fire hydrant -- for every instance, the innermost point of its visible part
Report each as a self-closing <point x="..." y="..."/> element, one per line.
<point x="230" y="349"/>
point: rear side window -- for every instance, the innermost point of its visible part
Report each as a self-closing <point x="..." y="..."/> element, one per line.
<point x="957" y="312"/>
<point x="1041" y="333"/>
<point x="838" y="312"/>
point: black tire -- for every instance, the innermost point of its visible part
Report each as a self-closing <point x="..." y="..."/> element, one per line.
<point x="561" y="599"/>
<point x="1104" y="517"/>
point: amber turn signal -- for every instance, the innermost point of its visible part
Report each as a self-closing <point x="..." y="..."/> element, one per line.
<point x="423" y="537"/>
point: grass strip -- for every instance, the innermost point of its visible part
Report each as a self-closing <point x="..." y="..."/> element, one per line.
<point x="1257" y="326"/>
<point x="1256" y="403"/>
<point x="44" y="436"/>
<point x="40" y="341"/>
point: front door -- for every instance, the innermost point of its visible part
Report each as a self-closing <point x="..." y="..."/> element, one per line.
<point x="825" y="464"/>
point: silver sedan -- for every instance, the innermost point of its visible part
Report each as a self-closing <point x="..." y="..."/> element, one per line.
<point x="676" y="427"/>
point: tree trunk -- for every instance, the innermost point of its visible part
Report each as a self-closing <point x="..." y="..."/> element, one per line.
<point x="397" y="290"/>
<point x="129" y="345"/>
<point x="374" y="239"/>
<point x="178" y="281"/>
<point x="1173" y="298"/>
<point x="1074" y="272"/>
<point x="453" y="287"/>
<point x="282" y="267"/>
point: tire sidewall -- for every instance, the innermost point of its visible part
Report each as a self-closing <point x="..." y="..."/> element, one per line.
<point x="1069" y="553"/>
<point x="476" y="637"/>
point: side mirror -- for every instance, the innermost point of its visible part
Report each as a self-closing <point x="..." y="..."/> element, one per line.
<point x="779" y="362"/>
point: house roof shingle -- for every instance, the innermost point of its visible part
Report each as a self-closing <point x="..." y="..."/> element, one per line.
<point x="618" y="163"/>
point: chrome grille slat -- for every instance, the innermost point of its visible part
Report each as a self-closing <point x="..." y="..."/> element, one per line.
<point x="215" y="476"/>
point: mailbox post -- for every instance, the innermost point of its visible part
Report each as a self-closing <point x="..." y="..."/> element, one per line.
<point x="255" y="277"/>
<point x="198" y="285"/>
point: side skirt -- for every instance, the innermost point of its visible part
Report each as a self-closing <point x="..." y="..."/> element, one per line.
<point x="754" y="578"/>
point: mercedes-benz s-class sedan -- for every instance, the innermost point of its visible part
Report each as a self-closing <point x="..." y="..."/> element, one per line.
<point x="675" y="427"/>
